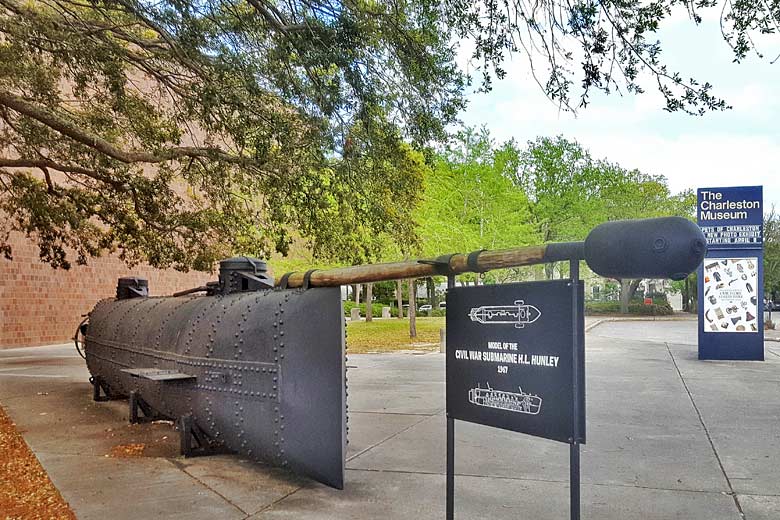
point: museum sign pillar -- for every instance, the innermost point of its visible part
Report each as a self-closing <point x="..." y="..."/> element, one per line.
<point x="731" y="278"/>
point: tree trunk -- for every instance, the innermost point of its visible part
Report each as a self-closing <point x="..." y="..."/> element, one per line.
<point x="627" y="289"/>
<point x="692" y="294"/>
<point x="369" y="302"/>
<point x="399" y="291"/>
<point x="431" y="286"/>
<point x="357" y="295"/>
<point x="412" y="308"/>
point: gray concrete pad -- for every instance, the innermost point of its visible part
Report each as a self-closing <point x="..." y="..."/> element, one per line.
<point x="369" y="429"/>
<point x="760" y="507"/>
<point x="672" y="331"/>
<point x="402" y="398"/>
<point x="622" y="455"/>
<point x="669" y="437"/>
<point x="248" y="486"/>
<point x="374" y="383"/>
<point x="101" y="487"/>
<point x="371" y="494"/>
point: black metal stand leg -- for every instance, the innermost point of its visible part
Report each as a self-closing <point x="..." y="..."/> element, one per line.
<point x="185" y="435"/>
<point x="133" y="402"/>
<point x="97" y="386"/>
<point x="95" y="390"/>
<point x="147" y="413"/>
<point x="450" y="468"/>
<point x="450" y="446"/>
<point x="574" y="477"/>
<point x="193" y="441"/>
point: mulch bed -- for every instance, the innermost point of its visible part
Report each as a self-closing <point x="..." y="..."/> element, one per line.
<point x="25" y="488"/>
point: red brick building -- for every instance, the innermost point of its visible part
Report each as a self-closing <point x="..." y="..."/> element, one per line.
<point x="42" y="306"/>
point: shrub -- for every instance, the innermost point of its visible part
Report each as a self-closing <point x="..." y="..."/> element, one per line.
<point x="376" y="307"/>
<point x="654" y="309"/>
<point x="659" y="298"/>
<point x="594" y="308"/>
<point x="661" y="308"/>
<point x="350" y="304"/>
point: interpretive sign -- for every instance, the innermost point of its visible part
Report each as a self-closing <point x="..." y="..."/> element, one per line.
<point x="509" y="358"/>
<point x="731" y="318"/>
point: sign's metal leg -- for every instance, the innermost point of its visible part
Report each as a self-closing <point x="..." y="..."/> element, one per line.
<point x="450" y="446"/>
<point x="450" y="468"/>
<point x="574" y="477"/>
<point x="574" y="447"/>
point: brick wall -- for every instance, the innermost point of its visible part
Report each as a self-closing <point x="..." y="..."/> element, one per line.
<point x="42" y="306"/>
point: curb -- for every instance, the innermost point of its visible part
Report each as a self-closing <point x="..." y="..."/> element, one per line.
<point x="595" y="324"/>
<point x="612" y="320"/>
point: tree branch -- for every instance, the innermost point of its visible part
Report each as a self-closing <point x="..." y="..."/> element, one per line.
<point x="276" y="20"/>
<point x="69" y="129"/>
<point x="44" y="163"/>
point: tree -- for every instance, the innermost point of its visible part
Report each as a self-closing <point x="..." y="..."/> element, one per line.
<point x="469" y="201"/>
<point x="181" y="132"/>
<point x="608" y="46"/>
<point x="772" y="254"/>
<point x="570" y="193"/>
<point x="565" y="187"/>
<point x="638" y="195"/>
<point x="399" y="291"/>
<point x="412" y="282"/>
<point x="369" y="302"/>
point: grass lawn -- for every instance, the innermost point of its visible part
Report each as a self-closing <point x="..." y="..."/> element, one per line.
<point x="388" y="335"/>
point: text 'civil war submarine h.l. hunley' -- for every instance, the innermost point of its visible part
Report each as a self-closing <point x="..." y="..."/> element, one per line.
<point x="258" y="367"/>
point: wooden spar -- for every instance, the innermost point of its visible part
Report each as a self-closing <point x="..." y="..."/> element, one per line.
<point x="458" y="263"/>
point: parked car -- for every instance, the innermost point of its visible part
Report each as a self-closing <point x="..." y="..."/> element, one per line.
<point x="442" y="305"/>
<point x="426" y="308"/>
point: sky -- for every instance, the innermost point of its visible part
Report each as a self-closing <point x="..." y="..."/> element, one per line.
<point x="738" y="147"/>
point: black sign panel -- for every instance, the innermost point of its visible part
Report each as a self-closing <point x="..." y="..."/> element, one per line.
<point x="509" y="357"/>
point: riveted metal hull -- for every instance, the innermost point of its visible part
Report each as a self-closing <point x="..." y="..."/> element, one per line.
<point x="267" y="367"/>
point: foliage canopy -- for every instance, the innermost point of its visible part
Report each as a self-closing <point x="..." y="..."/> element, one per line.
<point x="470" y="201"/>
<point x="180" y="132"/>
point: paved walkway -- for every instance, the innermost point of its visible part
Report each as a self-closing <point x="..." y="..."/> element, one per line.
<point x="669" y="437"/>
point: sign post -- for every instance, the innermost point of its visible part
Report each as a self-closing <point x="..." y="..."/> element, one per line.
<point x="515" y="360"/>
<point x="577" y="383"/>
<point x="731" y="278"/>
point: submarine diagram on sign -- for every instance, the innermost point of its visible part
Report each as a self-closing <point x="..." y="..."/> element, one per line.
<point x="518" y="402"/>
<point x="520" y="314"/>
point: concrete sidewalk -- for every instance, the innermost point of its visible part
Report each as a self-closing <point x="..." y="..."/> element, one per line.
<point x="669" y="437"/>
